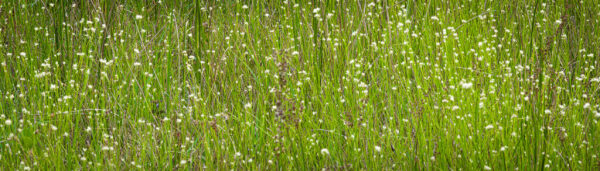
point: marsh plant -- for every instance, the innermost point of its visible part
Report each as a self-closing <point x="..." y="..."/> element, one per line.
<point x="299" y="85"/>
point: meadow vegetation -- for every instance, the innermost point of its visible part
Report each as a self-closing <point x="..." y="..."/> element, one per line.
<point x="299" y="85"/>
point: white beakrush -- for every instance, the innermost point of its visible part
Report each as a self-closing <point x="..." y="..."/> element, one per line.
<point x="377" y="149"/>
<point x="325" y="151"/>
<point x="466" y="85"/>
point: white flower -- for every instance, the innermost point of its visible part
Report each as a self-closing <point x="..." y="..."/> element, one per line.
<point x="8" y="122"/>
<point x="138" y="17"/>
<point x="489" y="127"/>
<point x="586" y="106"/>
<point x="316" y="10"/>
<point x="487" y="167"/>
<point x="547" y="111"/>
<point x="329" y="15"/>
<point x="54" y="128"/>
<point x="377" y="148"/>
<point x="244" y="6"/>
<point x="435" y="18"/>
<point x="248" y="105"/>
<point x="432" y="158"/>
<point x="455" y="108"/>
<point x="183" y="162"/>
<point x="466" y="85"/>
<point x="324" y="151"/>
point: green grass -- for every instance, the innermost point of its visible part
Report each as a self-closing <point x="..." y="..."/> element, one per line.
<point x="284" y="85"/>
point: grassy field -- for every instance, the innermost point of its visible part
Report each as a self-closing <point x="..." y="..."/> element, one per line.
<point x="296" y="85"/>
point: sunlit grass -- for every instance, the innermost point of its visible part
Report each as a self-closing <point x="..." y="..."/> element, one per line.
<point x="284" y="85"/>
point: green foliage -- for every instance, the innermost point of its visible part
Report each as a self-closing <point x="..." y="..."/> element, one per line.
<point x="284" y="85"/>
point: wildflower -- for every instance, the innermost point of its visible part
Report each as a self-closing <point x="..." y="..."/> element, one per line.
<point x="435" y="18"/>
<point x="586" y="106"/>
<point x="245" y="7"/>
<point x="138" y="17"/>
<point x="371" y="5"/>
<point x="8" y="122"/>
<point x="377" y="148"/>
<point x="455" y="108"/>
<point x="54" y="128"/>
<point x="324" y="151"/>
<point x="316" y="10"/>
<point x="490" y="126"/>
<point x="53" y="87"/>
<point x="466" y="85"/>
<point x="487" y="167"/>
<point x="183" y="162"/>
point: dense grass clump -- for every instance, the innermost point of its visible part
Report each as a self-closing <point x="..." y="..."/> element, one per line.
<point x="299" y="85"/>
